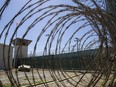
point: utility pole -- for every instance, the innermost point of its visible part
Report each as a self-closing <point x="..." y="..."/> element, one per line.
<point x="77" y="42"/>
<point x="47" y="35"/>
<point x="15" y="46"/>
<point x="73" y="48"/>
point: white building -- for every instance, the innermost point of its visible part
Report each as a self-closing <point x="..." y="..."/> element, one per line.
<point x="21" y="47"/>
<point x="7" y="56"/>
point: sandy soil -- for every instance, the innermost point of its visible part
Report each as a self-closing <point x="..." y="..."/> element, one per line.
<point x="53" y="79"/>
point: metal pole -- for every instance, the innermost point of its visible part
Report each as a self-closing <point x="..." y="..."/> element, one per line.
<point x="73" y="48"/>
<point x="77" y="41"/>
<point x="15" y="45"/>
<point x="47" y="35"/>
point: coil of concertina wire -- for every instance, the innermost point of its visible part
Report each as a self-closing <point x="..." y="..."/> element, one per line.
<point x="92" y="64"/>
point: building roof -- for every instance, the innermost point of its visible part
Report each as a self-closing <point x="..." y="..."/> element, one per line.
<point x="21" y="42"/>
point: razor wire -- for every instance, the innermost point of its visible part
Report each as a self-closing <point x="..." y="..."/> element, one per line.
<point x="97" y="15"/>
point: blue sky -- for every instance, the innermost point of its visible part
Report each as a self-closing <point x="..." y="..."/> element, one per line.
<point x="16" y="5"/>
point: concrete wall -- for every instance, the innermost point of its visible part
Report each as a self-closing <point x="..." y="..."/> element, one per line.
<point x="7" y="64"/>
<point x="20" y="51"/>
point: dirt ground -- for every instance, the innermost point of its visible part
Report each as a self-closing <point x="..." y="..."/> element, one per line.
<point x="51" y="78"/>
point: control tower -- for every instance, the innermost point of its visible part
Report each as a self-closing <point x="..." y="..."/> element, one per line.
<point x="21" y="47"/>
